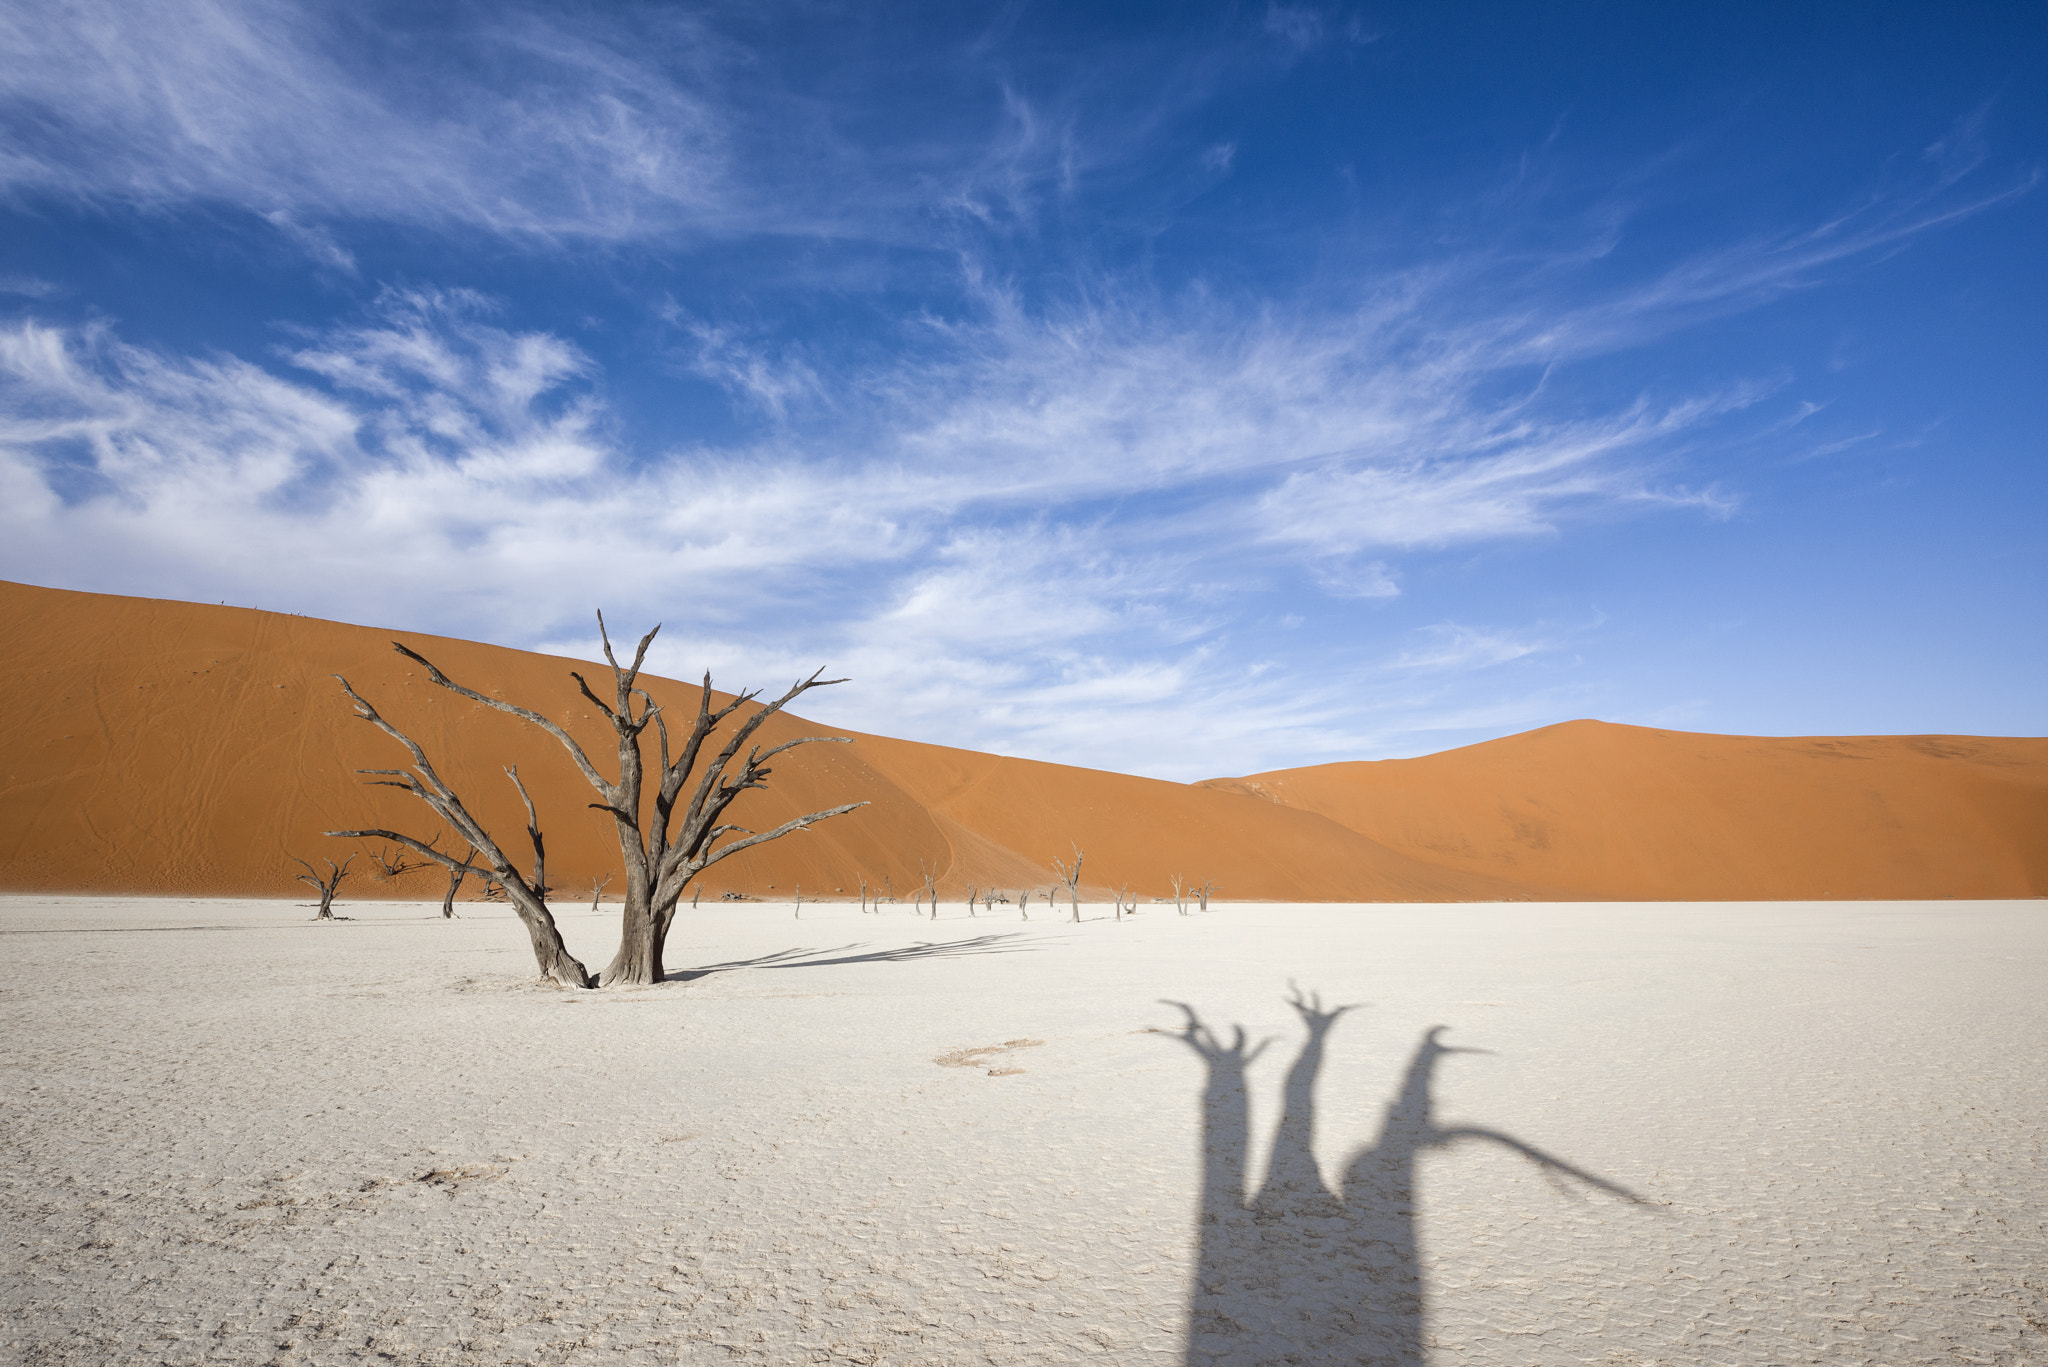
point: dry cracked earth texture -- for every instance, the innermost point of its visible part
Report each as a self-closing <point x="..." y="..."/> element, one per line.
<point x="1643" y="1134"/>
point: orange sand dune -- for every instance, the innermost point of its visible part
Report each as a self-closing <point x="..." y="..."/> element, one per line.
<point x="176" y="748"/>
<point x="1635" y="813"/>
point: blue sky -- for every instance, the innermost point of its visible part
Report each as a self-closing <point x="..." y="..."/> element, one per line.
<point x="1179" y="389"/>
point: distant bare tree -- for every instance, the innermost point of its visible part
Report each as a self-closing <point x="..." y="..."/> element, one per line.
<point x="325" y="886"/>
<point x="973" y="893"/>
<point x="394" y="864"/>
<point x="863" y="894"/>
<point x="597" y="890"/>
<point x="988" y="900"/>
<point x="1206" y="891"/>
<point x="1024" y="903"/>
<point x="662" y="851"/>
<point x="888" y="885"/>
<point x="1177" y="905"/>
<point x="1071" y="877"/>
<point x="798" y="914"/>
<point x="1123" y="895"/>
<point x="931" y="888"/>
<point x="456" y="873"/>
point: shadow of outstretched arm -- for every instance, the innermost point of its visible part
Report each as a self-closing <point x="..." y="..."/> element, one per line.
<point x="1552" y="1165"/>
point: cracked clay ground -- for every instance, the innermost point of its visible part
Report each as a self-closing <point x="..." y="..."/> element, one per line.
<point x="1750" y="1134"/>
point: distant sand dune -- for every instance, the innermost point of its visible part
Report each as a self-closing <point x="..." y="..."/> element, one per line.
<point x="166" y="747"/>
<point x="1631" y="812"/>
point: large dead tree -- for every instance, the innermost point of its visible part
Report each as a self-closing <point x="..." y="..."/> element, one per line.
<point x="664" y="843"/>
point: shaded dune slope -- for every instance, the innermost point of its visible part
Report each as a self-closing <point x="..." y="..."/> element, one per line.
<point x="1631" y="812"/>
<point x="167" y="747"/>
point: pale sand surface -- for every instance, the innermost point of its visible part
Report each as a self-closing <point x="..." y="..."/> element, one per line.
<point x="234" y="1136"/>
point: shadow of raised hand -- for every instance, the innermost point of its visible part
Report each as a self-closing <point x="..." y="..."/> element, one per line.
<point x="1294" y="1184"/>
<point x="1226" y="1112"/>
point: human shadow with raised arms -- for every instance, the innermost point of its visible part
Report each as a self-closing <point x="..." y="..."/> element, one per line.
<point x="1300" y="1273"/>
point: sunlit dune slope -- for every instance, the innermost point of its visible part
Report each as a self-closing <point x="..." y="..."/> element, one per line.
<point x="169" y="747"/>
<point x="1631" y="812"/>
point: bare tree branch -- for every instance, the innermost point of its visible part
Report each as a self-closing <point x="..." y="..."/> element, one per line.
<point x="540" y="853"/>
<point x="529" y="901"/>
<point x="525" y="714"/>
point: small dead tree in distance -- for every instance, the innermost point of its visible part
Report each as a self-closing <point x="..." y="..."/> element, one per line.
<point x="393" y="864"/>
<point x="662" y="851"/>
<point x="1205" y="892"/>
<point x="456" y="873"/>
<point x="326" y="886"/>
<point x="1071" y="877"/>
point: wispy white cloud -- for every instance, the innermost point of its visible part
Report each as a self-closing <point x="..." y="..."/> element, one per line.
<point x="767" y="381"/>
<point x="513" y="123"/>
<point x="555" y="128"/>
<point x="315" y="241"/>
<point x="1450" y="646"/>
<point x="1302" y="27"/>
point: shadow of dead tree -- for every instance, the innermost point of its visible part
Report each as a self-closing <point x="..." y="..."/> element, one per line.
<point x="847" y="954"/>
<point x="1300" y="1273"/>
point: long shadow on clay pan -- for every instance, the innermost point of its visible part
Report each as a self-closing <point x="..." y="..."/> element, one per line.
<point x="902" y="954"/>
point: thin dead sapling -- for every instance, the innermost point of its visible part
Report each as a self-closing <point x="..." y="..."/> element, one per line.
<point x="1071" y="876"/>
